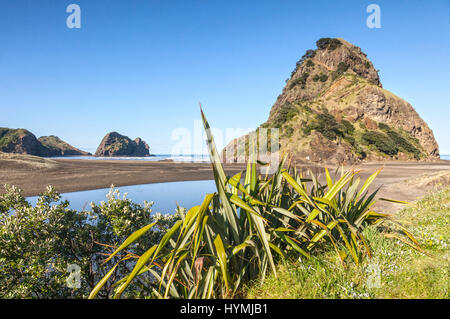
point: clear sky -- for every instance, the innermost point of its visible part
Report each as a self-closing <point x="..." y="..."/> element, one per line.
<point x="140" y="67"/>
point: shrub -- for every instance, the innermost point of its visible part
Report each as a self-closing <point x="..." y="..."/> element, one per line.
<point x="400" y="141"/>
<point x="309" y="54"/>
<point x="382" y="142"/>
<point x="324" y="123"/>
<point x="300" y="80"/>
<point x="37" y="244"/>
<point x="323" y="77"/>
<point x="347" y="127"/>
<point x="403" y="144"/>
<point x="328" y="43"/>
<point x="320" y="77"/>
<point x="284" y="114"/>
<point x="309" y="63"/>
<point x="341" y="69"/>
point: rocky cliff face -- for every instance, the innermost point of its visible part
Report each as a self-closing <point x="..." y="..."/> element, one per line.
<point x="24" y="142"/>
<point x="114" y="144"/>
<point x="334" y="109"/>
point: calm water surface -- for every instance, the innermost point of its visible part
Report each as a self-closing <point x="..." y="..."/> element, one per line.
<point x="164" y="195"/>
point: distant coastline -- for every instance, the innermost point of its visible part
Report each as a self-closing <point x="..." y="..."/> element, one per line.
<point x="190" y="158"/>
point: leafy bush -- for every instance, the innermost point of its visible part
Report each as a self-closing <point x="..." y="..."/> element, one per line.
<point x="37" y="244"/>
<point x="300" y="80"/>
<point x="320" y="77"/>
<point x="403" y="144"/>
<point x="341" y="68"/>
<point x="231" y="238"/>
<point x="328" y="43"/>
<point x="324" y="123"/>
<point x="400" y="141"/>
<point x="309" y="63"/>
<point x="347" y="127"/>
<point x="284" y="114"/>
<point x="382" y="142"/>
<point x="309" y="54"/>
<point x="323" y="78"/>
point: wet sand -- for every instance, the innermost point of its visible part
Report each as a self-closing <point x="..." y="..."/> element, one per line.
<point x="69" y="175"/>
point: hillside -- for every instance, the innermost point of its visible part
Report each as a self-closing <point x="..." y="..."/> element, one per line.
<point x="334" y="109"/>
<point x="22" y="141"/>
<point x="57" y="147"/>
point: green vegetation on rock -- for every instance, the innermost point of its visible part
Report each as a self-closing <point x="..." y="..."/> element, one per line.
<point x="309" y="63"/>
<point x="320" y="77"/>
<point x="284" y="114"/>
<point x="402" y="143"/>
<point x="381" y="141"/>
<point x="328" y="44"/>
<point x="301" y="80"/>
<point x="324" y="123"/>
<point x="341" y="68"/>
<point x="8" y="135"/>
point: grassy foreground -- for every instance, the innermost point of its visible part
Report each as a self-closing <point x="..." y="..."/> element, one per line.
<point x="403" y="272"/>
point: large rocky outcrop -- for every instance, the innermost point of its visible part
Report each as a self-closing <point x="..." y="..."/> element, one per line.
<point x="115" y="144"/>
<point x="334" y="109"/>
<point x="23" y="141"/>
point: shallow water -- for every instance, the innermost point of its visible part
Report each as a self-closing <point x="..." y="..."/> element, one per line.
<point x="164" y="195"/>
<point x="445" y="157"/>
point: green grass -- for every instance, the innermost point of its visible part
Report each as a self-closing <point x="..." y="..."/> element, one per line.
<point x="404" y="272"/>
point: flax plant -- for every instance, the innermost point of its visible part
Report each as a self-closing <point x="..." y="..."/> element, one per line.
<point x="251" y="222"/>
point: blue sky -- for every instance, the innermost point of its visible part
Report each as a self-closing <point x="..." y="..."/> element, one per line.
<point x="140" y="67"/>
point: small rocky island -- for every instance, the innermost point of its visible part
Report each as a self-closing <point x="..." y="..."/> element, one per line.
<point x="115" y="144"/>
<point x="22" y="141"/>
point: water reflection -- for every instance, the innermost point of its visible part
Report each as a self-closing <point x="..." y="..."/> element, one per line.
<point x="164" y="195"/>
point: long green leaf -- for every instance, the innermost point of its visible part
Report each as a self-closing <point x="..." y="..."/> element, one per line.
<point x="132" y="238"/>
